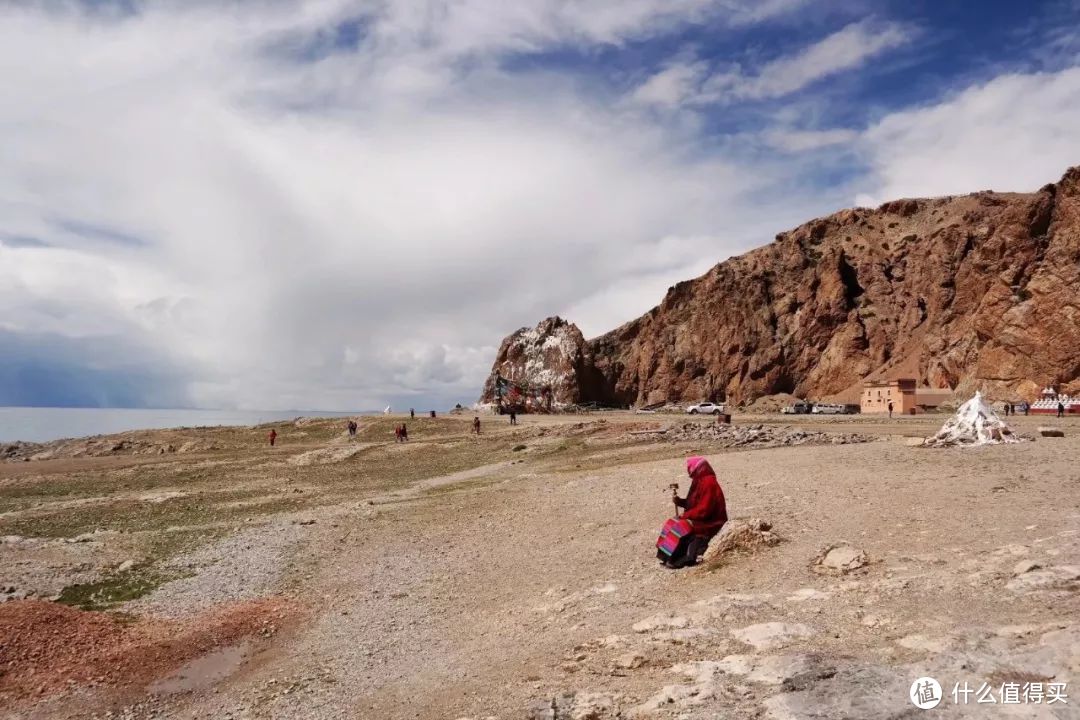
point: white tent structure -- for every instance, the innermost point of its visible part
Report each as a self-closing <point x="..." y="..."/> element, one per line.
<point x="975" y="423"/>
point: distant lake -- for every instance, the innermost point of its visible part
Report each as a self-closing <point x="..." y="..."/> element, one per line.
<point x="43" y="424"/>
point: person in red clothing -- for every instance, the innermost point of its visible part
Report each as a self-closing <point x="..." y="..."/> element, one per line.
<point x="273" y="436"/>
<point x="705" y="510"/>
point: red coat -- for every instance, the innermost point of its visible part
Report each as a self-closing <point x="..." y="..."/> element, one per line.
<point x="705" y="506"/>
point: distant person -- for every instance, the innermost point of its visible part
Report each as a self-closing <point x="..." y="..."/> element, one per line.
<point x="397" y="433"/>
<point x="404" y="433"/>
<point x="1027" y="408"/>
<point x="273" y="437"/>
<point x="890" y="409"/>
<point x="476" y="425"/>
<point x="705" y="510"/>
<point x="513" y="416"/>
<point x="1061" y="409"/>
<point x="412" y="413"/>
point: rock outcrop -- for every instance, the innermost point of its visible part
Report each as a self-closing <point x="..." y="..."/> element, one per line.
<point x="969" y="292"/>
<point x="553" y="356"/>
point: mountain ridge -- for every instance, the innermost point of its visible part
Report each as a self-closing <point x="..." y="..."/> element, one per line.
<point x="960" y="292"/>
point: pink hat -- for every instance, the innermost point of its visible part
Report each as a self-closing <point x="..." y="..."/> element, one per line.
<point x="693" y="464"/>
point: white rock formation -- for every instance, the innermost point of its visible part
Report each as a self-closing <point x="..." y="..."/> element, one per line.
<point x="975" y="423"/>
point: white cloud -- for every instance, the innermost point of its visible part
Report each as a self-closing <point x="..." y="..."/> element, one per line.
<point x="672" y="86"/>
<point x="351" y="229"/>
<point x="845" y="49"/>
<point x="690" y="83"/>
<point x="1015" y="132"/>
<point x="803" y="140"/>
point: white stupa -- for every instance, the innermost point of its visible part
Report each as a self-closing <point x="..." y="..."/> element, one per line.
<point x="975" y="423"/>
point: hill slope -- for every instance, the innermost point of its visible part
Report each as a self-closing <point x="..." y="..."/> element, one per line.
<point x="975" y="290"/>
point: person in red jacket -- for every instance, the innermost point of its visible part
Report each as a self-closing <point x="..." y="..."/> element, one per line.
<point x="705" y="510"/>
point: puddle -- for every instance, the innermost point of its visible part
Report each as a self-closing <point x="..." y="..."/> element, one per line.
<point x="202" y="672"/>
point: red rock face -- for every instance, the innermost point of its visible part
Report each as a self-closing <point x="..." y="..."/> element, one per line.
<point x="978" y="291"/>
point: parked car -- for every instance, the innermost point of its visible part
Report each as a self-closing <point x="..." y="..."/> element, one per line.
<point x="800" y="407"/>
<point x="706" y="408"/>
<point x="834" y="409"/>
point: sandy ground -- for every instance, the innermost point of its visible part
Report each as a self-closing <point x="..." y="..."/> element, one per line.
<point x="472" y="577"/>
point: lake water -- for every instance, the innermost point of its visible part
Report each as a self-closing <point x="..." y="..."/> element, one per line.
<point x="42" y="424"/>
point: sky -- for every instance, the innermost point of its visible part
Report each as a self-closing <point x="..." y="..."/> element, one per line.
<point x="347" y="204"/>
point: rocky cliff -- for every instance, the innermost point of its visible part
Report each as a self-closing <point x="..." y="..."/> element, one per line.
<point x="975" y="291"/>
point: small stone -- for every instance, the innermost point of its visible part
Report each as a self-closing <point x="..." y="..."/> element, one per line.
<point x="125" y="566"/>
<point x="661" y="621"/>
<point x="925" y="643"/>
<point x="840" y="559"/>
<point x="1025" y="566"/>
<point x="630" y="661"/>
<point x="771" y="635"/>
<point x="804" y="594"/>
<point x="1059" y="577"/>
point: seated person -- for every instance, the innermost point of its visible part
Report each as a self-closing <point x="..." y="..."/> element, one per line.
<point x="705" y="510"/>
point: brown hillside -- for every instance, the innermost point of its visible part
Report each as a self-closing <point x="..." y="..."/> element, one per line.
<point x="976" y="290"/>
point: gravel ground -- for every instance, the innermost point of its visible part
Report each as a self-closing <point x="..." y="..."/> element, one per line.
<point x="243" y="566"/>
<point x="530" y="589"/>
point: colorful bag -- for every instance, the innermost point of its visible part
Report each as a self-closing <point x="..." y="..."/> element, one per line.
<point x="676" y="531"/>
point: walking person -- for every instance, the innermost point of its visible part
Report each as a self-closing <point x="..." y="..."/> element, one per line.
<point x="513" y="416"/>
<point x="1061" y="409"/>
<point x="412" y="413"/>
<point x="476" y="425"/>
<point x="890" y="409"/>
<point x="273" y="436"/>
<point x="404" y="433"/>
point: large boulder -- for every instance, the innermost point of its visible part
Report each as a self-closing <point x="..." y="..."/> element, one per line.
<point x="551" y="358"/>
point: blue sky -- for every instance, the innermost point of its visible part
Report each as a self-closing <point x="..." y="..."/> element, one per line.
<point x="345" y="204"/>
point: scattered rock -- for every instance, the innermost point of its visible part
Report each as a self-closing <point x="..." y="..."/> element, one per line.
<point x="674" y="697"/>
<point x="804" y="594"/>
<point x="762" y="436"/>
<point x="1059" y="577"/>
<point x="125" y="566"/>
<point x="1046" y="431"/>
<point x="926" y="643"/>
<point x="661" y="621"/>
<point x="630" y="661"/>
<point x="745" y="536"/>
<point x="861" y="693"/>
<point x="1025" y="566"/>
<point x="840" y="559"/>
<point x="792" y="671"/>
<point x="771" y="635"/>
<point x="572" y="706"/>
